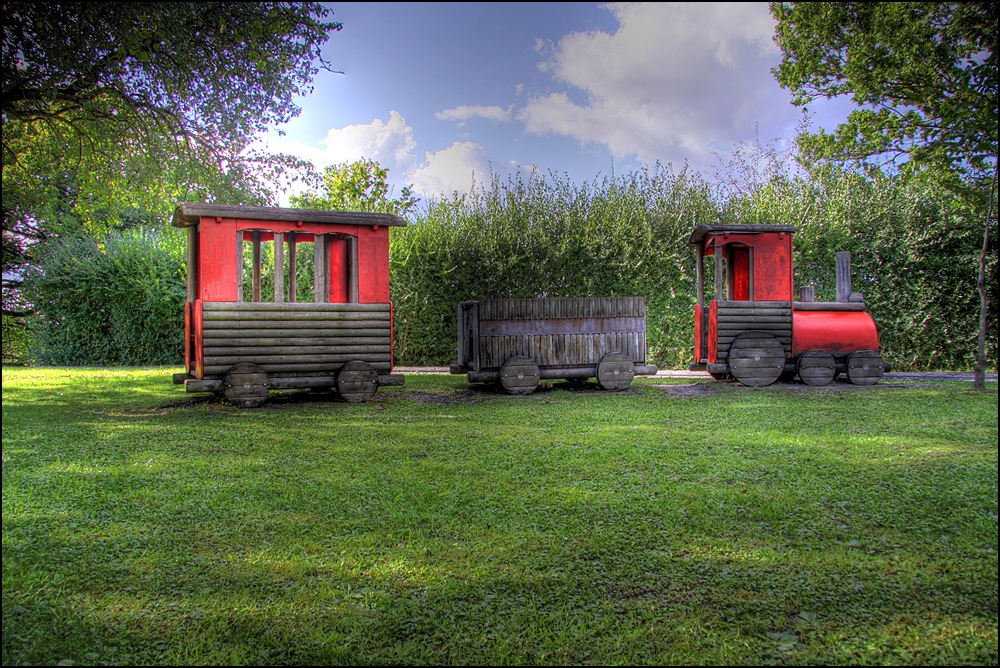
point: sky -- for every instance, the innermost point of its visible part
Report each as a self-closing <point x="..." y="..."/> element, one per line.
<point x="446" y="94"/>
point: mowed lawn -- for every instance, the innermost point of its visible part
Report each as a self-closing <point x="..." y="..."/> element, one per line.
<point x="704" y="523"/>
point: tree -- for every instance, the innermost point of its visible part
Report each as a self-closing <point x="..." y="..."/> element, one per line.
<point x="357" y="186"/>
<point x="924" y="76"/>
<point x="114" y="111"/>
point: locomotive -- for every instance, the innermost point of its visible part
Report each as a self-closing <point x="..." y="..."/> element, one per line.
<point x="753" y="330"/>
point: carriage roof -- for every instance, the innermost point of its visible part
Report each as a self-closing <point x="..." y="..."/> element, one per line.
<point x="701" y="232"/>
<point x="189" y="213"/>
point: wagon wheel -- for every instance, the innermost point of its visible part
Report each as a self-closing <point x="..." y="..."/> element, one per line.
<point x="246" y="385"/>
<point x="756" y="359"/>
<point x="357" y="381"/>
<point x="615" y="372"/>
<point x="816" y="367"/>
<point x="865" y="367"/>
<point x="519" y="375"/>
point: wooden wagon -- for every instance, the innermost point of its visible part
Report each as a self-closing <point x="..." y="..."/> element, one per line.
<point x="755" y="332"/>
<point x="518" y="342"/>
<point x="243" y="341"/>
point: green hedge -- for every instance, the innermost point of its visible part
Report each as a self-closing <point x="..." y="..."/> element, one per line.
<point x="120" y="302"/>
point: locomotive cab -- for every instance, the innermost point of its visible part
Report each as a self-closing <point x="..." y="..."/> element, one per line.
<point x="754" y="331"/>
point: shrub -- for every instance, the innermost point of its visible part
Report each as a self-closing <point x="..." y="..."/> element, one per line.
<point x="120" y="302"/>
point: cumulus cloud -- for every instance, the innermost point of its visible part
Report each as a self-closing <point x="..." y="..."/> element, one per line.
<point x="452" y="169"/>
<point x="392" y="144"/>
<point x="675" y="79"/>
<point x="465" y="112"/>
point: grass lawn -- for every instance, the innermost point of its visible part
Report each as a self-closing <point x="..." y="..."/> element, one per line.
<point x="705" y="523"/>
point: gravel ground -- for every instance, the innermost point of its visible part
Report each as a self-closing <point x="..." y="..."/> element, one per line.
<point x="895" y="375"/>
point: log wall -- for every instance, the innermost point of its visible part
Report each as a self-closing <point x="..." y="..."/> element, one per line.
<point x="736" y="317"/>
<point x="562" y="332"/>
<point x="295" y="339"/>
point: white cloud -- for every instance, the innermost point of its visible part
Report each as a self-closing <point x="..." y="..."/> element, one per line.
<point x="464" y="112"/>
<point x="392" y="145"/>
<point x="453" y="169"/>
<point x="673" y="81"/>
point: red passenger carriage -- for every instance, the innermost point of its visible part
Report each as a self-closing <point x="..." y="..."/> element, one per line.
<point x="243" y="342"/>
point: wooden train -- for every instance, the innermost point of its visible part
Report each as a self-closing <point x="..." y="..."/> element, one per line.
<point x="242" y="341"/>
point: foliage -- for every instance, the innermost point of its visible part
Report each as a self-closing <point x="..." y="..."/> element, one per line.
<point x="113" y="109"/>
<point x="923" y="74"/>
<point x="16" y="340"/>
<point x="546" y="237"/>
<point x="120" y="302"/>
<point x="440" y="525"/>
<point x="357" y="186"/>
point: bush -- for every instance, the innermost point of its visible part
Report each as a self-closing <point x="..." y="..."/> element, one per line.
<point x="120" y="302"/>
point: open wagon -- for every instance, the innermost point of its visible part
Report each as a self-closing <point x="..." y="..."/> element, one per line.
<point x="286" y="298"/>
<point x="754" y="331"/>
<point x="518" y="342"/>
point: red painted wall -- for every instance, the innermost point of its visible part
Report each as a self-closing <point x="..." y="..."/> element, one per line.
<point x="713" y="332"/>
<point x="772" y="267"/>
<point x="217" y="262"/>
<point x="373" y="265"/>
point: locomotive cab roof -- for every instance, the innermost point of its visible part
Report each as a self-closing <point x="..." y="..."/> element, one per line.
<point x="189" y="213"/>
<point x="702" y="232"/>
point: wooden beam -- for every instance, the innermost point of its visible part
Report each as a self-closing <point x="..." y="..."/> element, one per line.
<point x="279" y="267"/>
<point x="319" y="268"/>
<point x="718" y="273"/>
<point x="843" y="276"/>
<point x="352" y="270"/>
<point x="255" y="240"/>
<point x="700" y="274"/>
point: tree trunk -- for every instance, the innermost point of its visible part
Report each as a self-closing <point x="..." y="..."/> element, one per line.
<point x="980" y="379"/>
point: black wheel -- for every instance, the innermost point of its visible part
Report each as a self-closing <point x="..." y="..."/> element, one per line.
<point x="816" y="367"/>
<point x="615" y="372"/>
<point x="357" y="381"/>
<point x="519" y="375"/>
<point x="756" y="359"/>
<point x="246" y="385"/>
<point x="865" y="367"/>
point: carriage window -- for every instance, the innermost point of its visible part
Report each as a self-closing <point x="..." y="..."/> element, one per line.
<point x="275" y="267"/>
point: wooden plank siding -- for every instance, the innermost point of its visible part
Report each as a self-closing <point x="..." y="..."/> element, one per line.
<point x="560" y="332"/>
<point x="295" y="339"/>
<point x="736" y="317"/>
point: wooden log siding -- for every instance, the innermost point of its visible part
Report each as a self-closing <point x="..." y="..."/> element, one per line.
<point x="561" y="332"/>
<point x="295" y="339"/>
<point x="736" y="317"/>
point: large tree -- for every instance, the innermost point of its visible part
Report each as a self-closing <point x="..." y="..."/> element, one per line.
<point x="113" y="110"/>
<point x="924" y="77"/>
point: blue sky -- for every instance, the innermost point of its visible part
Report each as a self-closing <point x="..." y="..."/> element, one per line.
<point x="443" y="93"/>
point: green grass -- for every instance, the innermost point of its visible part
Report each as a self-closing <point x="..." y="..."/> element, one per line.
<point x="439" y="525"/>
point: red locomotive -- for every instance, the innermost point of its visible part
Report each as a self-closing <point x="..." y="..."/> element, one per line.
<point x="243" y="342"/>
<point x="754" y="331"/>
